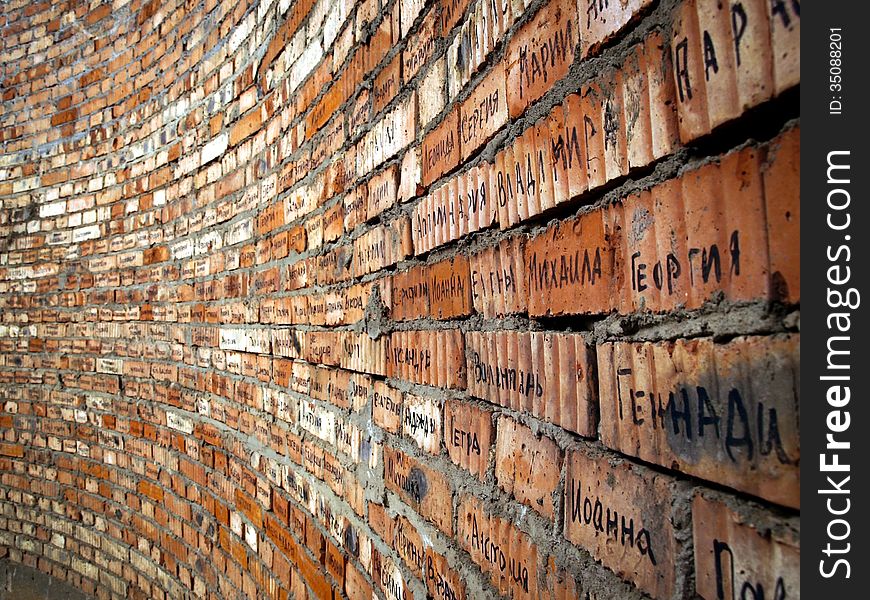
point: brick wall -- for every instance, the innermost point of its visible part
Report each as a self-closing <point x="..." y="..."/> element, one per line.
<point x="451" y="298"/>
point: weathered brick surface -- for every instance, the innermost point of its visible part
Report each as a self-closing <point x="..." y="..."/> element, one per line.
<point x="400" y="299"/>
<point x="620" y="513"/>
<point x="502" y="551"/>
<point x="733" y="557"/>
<point x="468" y="435"/>
<point x="723" y="412"/>
<point x="527" y="466"/>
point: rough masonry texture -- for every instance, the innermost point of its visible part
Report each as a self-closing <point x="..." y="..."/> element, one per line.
<point x="459" y="299"/>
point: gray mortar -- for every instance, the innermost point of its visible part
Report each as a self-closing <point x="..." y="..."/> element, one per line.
<point x="375" y="321"/>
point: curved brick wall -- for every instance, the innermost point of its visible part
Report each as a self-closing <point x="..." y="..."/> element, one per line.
<point x="457" y="298"/>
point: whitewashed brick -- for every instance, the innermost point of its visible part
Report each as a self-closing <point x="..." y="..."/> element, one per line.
<point x="179" y="423"/>
<point x="52" y="210"/>
<point x="239" y="232"/>
<point x="82" y="234"/>
<point x="238" y="35"/>
<point x="214" y="149"/>
<point x="432" y="92"/>
<point x="112" y="366"/>
<point x="182" y="249"/>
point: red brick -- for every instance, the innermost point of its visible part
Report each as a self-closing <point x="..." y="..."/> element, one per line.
<point x="720" y="82"/>
<point x="750" y="39"/>
<point x="781" y="180"/>
<point x="382" y="246"/>
<point x="441" y="290"/>
<point x="605" y="97"/>
<point x="727" y="413"/>
<point x="689" y="76"/>
<point x="482" y="30"/>
<point x="569" y="269"/>
<point x="249" y="124"/>
<point x="733" y="557"/>
<point x="463" y="204"/>
<point x="652" y="128"/>
<point x="483" y="113"/>
<point x="527" y="466"/>
<point x="690" y="239"/>
<point x="622" y="514"/>
<point x="358" y="113"/>
<point x="599" y="21"/>
<point x="441" y="148"/>
<point x="347" y="306"/>
<point x="98" y="13"/>
<point x="355" y="585"/>
<point x="361" y="353"/>
<point x="387" y="407"/>
<point x="441" y="580"/>
<point x="567" y="147"/>
<point x="449" y="288"/>
<point x="723" y="63"/>
<point x="386" y="85"/>
<point x="335" y="561"/>
<point x="785" y="25"/>
<point x="429" y="357"/>
<point x="382" y="190"/>
<point x="249" y="508"/>
<point x="532" y="175"/>
<point x="355" y="207"/>
<point x="270" y="218"/>
<point x="497" y="284"/>
<point x="540" y="53"/>
<point x="296" y="239"/>
<point x="451" y="12"/>
<point x="424" y="489"/>
<point x="388" y="576"/>
<point x="13" y="450"/>
<point x="64" y="117"/>
<point x="240" y="292"/>
<point x="405" y="539"/>
<point x="153" y="491"/>
<point x="324" y="110"/>
<point x="468" y="434"/>
<point x="501" y="550"/>
<point x="549" y="375"/>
